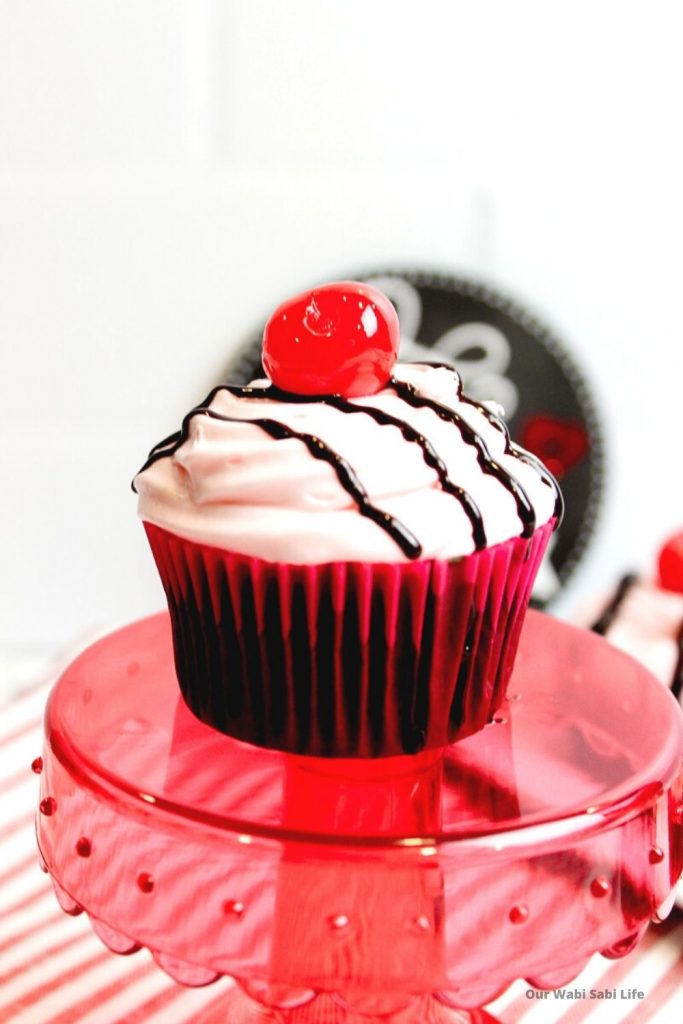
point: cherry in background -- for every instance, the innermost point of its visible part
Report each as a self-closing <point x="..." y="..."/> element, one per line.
<point x="340" y="338"/>
<point x="671" y="563"/>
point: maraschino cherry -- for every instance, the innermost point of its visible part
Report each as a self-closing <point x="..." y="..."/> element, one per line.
<point x="670" y="563"/>
<point x="340" y="338"/>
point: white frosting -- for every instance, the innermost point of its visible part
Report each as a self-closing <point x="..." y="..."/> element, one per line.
<point x="232" y="485"/>
<point x="646" y="626"/>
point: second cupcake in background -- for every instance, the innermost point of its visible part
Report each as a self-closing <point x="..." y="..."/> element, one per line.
<point x="347" y="549"/>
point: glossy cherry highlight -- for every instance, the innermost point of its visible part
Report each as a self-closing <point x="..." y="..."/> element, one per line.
<point x="340" y="338"/>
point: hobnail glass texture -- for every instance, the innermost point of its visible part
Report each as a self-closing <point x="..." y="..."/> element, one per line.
<point x="406" y="888"/>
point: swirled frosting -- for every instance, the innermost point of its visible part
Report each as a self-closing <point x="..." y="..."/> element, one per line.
<point x="415" y="470"/>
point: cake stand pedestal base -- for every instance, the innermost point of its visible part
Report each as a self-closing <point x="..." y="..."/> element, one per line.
<point x="238" y="1008"/>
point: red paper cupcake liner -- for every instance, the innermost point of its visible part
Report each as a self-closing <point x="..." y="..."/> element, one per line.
<point x="346" y="659"/>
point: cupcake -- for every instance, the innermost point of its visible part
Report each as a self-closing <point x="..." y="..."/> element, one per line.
<point x="643" y="616"/>
<point x="348" y="547"/>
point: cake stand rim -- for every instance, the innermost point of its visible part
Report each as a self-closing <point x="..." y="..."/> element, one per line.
<point x="576" y="823"/>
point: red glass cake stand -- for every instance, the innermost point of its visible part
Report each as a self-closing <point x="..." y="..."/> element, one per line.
<point x="406" y="889"/>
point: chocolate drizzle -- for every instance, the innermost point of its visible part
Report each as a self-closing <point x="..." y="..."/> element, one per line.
<point x="677" y="680"/>
<point x="607" y="617"/>
<point x="611" y="610"/>
<point x="347" y="476"/>
<point x="520" y="453"/>
<point x="406" y="540"/>
<point x="525" y="509"/>
<point x="510" y="447"/>
<point x="429" y="453"/>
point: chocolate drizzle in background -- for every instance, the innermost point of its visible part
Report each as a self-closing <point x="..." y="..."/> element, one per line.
<point x="610" y="614"/>
<point x="549" y="384"/>
<point x="611" y="610"/>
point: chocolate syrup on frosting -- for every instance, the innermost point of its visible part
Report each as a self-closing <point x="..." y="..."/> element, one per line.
<point x="510" y="447"/>
<point x="525" y="509"/>
<point x="429" y="453"/>
<point x="348" y="479"/>
<point x="400" y="533"/>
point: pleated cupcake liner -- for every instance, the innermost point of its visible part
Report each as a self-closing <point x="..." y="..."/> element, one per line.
<point x="345" y="659"/>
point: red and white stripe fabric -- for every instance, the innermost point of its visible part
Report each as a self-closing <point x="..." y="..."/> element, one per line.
<point x="53" y="969"/>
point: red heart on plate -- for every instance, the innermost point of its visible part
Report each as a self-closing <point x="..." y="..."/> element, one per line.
<point x="560" y="444"/>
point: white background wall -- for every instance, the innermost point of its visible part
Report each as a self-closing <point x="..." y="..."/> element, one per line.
<point x="170" y="170"/>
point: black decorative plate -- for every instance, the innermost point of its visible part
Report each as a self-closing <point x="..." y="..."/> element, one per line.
<point x="502" y="353"/>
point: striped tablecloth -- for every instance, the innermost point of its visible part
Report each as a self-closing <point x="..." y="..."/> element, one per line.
<point x="53" y="969"/>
